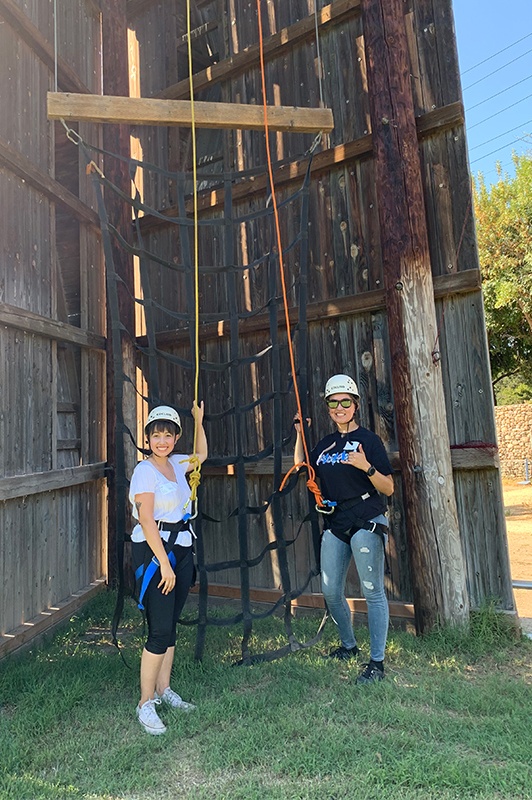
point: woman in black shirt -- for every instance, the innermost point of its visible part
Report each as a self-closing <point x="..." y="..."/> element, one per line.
<point x="354" y="472"/>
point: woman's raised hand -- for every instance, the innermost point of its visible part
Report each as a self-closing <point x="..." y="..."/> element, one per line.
<point x="297" y="422"/>
<point x="197" y="412"/>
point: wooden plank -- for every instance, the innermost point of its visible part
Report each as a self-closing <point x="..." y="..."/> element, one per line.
<point x="25" y="169"/>
<point x="67" y="408"/>
<point x="482" y="457"/>
<point x="96" y="6"/>
<point x="136" y="7"/>
<point x="49" y="618"/>
<point x="427" y="125"/>
<point x="27" y="321"/>
<point x="463" y="457"/>
<point x="149" y="111"/>
<point x="436" y="558"/>
<point x="440" y="119"/>
<point x="38" y="482"/>
<point x="68" y="444"/>
<point x="273" y="46"/>
<point x="314" y="600"/>
<point x="17" y="19"/>
<point x="444" y="285"/>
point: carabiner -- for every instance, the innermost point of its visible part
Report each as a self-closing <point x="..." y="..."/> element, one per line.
<point x="322" y="509"/>
<point x="193" y="514"/>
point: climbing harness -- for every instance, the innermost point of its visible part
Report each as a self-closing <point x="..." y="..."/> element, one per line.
<point x="145" y="572"/>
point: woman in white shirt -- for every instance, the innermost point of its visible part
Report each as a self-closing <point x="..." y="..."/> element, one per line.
<point x="162" y="553"/>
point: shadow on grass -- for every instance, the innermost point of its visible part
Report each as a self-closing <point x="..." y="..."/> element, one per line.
<point x="451" y="720"/>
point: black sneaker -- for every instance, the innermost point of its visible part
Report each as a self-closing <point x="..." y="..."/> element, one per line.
<point x="343" y="653"/>
<point x="371" y="673"/>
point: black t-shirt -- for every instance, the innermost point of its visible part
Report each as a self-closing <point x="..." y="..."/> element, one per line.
<point x="339" y="481"/>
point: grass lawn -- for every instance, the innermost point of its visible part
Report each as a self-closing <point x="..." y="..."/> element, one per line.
<point x="453" y="719"/>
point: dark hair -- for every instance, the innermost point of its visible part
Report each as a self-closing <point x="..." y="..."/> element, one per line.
<point x="161" y="426"/>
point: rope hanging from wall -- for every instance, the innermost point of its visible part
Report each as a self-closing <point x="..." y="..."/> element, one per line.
<point x="270" y="360"/>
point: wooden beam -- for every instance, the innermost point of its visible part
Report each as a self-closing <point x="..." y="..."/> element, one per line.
<point x="310" y="600"/>
<point x="463" y="457"/>
<point x="136" y="7"/>
<point x="440" y="119"/>
<point x="68" y="444"/>
<point x="427" y="125"/>
<point x="436" y="559"/>
<point x="67" y="78"/>
<point x="19" y="165"/>
<point x="39" y="482"/>
<point x="49" y="618"/>
<point x="444" y="285"/>
<point x="471" y="457"/>
<point x="27" y="321"/>
<point x="249" y="58"/>
<point x="148" y="111"/>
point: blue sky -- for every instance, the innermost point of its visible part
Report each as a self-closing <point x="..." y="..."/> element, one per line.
<point x="498" y="91"/>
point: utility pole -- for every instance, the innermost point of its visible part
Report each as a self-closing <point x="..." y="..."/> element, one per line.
<point x="436" y="561"/>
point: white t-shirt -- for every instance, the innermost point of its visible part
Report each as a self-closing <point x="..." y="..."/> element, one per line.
<point x="169" y="497"/>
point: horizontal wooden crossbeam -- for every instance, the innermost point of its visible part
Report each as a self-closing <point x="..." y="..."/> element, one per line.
<point x="275" y="46"/>
<point x="357" y="605"/>
<point x="47" y="619"/>
<point x="336" y="308"/>
<point x="434" y="122"/>
<point x="150" y="111"/>
<point x="17" y="19"/>
<point x="28" y="321"/>
<point x="25" y="169"/>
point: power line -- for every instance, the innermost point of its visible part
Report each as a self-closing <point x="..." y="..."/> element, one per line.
<point x="487" y="119"/>
<point x="496" y="54"/>
<point x="480" y="158"/>
<point x="498" y="93"/>
<point x="496" y="168"/>
<point x="494" y="138"/>
<point x="497" y="70"/>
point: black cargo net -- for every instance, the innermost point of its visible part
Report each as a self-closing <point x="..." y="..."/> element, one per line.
<point x="276" y="382"/>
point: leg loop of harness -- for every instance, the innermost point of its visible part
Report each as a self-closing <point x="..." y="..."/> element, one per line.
<point x="147" y="573"/>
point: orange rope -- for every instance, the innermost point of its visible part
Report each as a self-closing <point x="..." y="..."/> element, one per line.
<point x="311" y="482"/>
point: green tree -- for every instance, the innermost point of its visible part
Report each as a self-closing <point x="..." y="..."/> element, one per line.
<point x="503" y="214"/>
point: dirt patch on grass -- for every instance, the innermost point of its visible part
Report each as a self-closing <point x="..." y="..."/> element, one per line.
<point x="518" y="511"/>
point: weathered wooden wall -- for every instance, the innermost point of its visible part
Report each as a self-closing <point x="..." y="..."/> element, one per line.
<point x="348" y="324"/>
<point x="52" y="332"/>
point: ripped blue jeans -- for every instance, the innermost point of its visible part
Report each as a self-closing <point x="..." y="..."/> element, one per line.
<point x="368" y="553"/>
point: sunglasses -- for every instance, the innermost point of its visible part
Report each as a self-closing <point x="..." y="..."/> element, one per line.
<point x="345" y="403"/>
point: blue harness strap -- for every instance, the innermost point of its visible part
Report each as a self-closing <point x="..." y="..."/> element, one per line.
<point x="147" y="573"/>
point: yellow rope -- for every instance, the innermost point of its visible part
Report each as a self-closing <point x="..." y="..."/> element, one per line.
<point x="194" y="477"/>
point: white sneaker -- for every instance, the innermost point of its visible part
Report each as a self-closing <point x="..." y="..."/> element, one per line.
<point x="173" y="699"/>
<point x="149" y="719"/>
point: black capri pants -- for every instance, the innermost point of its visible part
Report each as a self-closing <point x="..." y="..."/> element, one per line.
<point x="164" y="610"/>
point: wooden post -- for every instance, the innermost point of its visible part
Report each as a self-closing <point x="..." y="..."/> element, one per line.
<point x="436" y="561"/>
<point x="116" y="140"/>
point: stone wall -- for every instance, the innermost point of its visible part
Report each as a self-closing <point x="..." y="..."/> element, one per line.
<point x="514" y="435"/>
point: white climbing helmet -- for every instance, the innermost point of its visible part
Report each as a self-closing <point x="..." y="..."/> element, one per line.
<point x="341" y="383"/>
<point x="164" y="413"/>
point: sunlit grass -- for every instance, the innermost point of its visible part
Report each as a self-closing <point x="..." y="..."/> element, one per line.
<point x="452" y="720"/>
